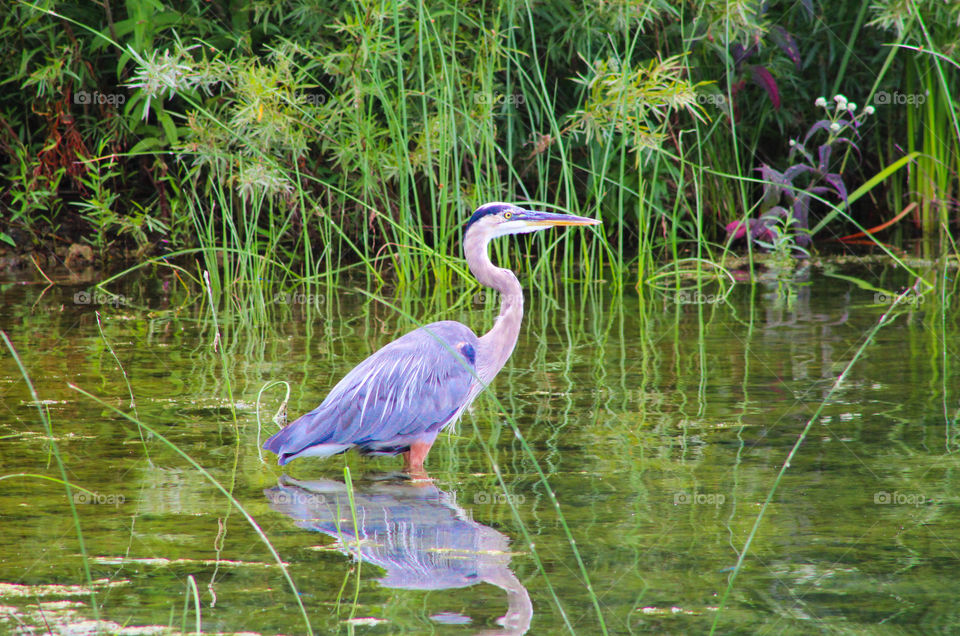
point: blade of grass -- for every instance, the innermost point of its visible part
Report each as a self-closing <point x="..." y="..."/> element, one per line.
<point x="865" y="188"/>
<point x="796" y="447"/>
<point x="216" y="484"/>
<point x="45" y="419"/>
<point x="191" y="592"/>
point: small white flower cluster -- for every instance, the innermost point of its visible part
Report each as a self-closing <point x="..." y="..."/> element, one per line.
<point x="842" y="104"/>
<point x="835" y="116"/>
<point x="843" y="107"/>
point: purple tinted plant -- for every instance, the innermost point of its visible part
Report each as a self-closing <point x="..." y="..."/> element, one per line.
<point x="758" y="73"/>
<point x="787" y="194"/>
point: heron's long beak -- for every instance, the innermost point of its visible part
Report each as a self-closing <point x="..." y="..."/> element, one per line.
<point x="548" y="219"/>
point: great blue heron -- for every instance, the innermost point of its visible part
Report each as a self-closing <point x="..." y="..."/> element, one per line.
<point x="401" y="397"/>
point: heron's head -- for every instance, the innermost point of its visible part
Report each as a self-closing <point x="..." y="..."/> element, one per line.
<point x="500" y="219"/>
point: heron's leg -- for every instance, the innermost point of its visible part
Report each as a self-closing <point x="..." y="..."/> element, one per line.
<point x="413" y="458"/>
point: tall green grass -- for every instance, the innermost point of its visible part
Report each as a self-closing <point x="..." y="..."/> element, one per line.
<point x="929" y="110"/>
<point x="298" y="141"/>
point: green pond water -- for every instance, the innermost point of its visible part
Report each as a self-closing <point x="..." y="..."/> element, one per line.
<point x="660" y="428"/>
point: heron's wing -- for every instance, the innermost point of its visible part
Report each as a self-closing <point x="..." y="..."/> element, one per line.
<point x="414" y="385"/>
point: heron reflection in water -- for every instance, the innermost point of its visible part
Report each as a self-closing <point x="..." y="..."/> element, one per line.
<point x="401" y="397"/>
<point x="417" y="533"/>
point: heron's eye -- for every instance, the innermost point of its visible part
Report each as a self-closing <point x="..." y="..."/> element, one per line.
<point x="507" y="215"/>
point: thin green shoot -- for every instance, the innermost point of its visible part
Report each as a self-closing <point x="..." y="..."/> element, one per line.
<point x="191" y="593"/>
<point x="868" y="339"/>
<point x="68" y="486"/>
<point x="216" y="484"/>
<point x="278" y="417"/>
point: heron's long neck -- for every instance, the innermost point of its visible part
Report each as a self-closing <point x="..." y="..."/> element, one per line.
<point x="498" y="343"/>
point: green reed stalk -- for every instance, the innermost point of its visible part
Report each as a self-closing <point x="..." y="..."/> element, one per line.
<point x="218" y="347"/>
<point x="348" y="481"/>
<point x="194" y="593"/>
<point x="868" y="339"/>
<point x="216" y="484"/>
<point x="281" y="411"/>
<point x="68" y="486"/>
<point x="126" y="380"/>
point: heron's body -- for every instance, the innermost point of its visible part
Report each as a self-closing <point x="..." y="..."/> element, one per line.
<point x="401" y="397"/>
<point x="420" y="383"/>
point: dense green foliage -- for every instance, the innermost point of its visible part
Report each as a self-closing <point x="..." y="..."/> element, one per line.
<point x="300" y="137"/>
<point x="253" y="147"/>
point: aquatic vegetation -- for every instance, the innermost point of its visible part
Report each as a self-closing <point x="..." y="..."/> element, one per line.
<point x="312" y="134"/>
<point x="262" y="162"/>
<point x="787" y="195"/>
<point x="639" y="425"/>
